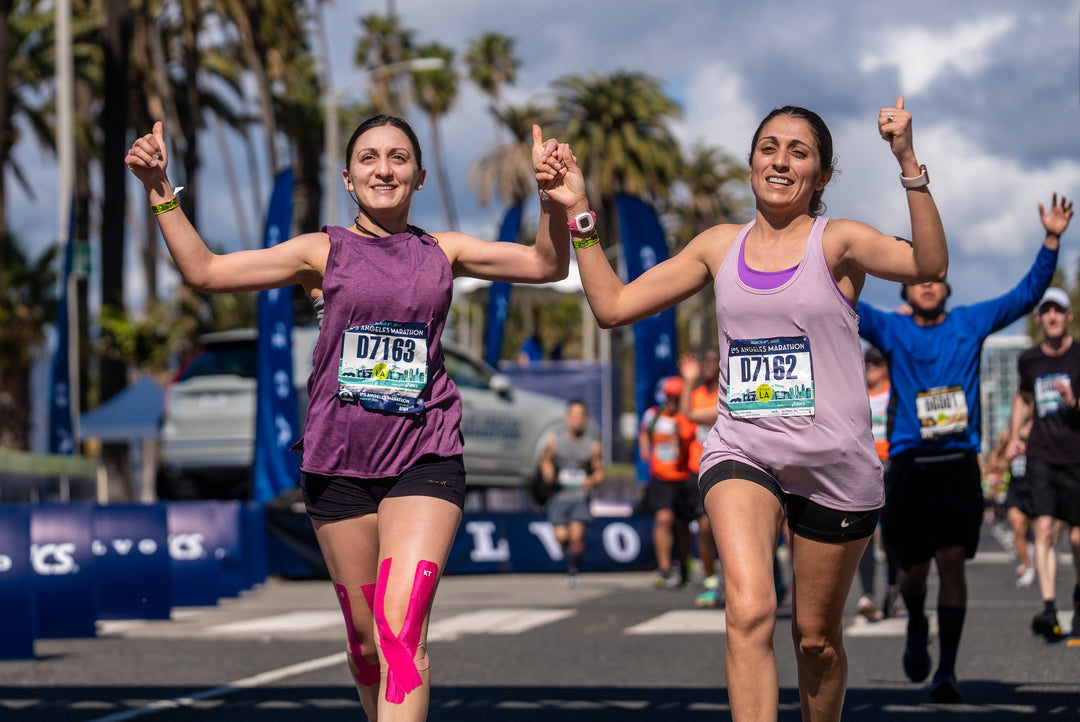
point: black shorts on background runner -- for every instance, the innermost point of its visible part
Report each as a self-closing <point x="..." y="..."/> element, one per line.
<point x="933" y="500"/>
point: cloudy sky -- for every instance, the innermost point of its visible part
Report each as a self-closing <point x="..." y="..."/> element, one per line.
<point x="993" y="86"/>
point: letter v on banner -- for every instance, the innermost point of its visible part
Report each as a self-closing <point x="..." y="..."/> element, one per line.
<point x="277" y="469"/>
<point x="499" y="293"/>
<point x="644" y="245"/>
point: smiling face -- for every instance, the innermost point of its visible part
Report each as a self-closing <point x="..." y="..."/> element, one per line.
<point x="783" y="135"/>
<point x="786" y="166"/>
<point x="383" y="170"/>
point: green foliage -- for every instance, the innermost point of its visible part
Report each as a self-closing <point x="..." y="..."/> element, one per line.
<point x="558" y="323"/>
<point x="28" y="296"/>
<point x="617" y="126"/>
<point x="492" y="63"/>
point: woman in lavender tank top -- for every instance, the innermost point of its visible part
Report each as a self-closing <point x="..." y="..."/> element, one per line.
<point x="792" y="437"/>
<point x="381" y="473"/>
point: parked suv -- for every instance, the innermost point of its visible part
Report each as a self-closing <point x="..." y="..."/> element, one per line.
<point x="208" y="432"/>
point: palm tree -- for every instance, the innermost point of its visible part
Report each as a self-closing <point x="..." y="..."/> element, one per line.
<point x="492" y="64"/>
<point x="436" y="91"/>
<point x="506" y="171"/>
<point x="617" y="127"/>
<point x="258" y="23"/>
<point x="27" y="305"/>
<point x="384" y="42"/>
<point x="27" y="63"/>
<point x="714" y="182"/>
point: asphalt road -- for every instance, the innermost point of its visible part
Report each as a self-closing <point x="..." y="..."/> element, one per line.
<point x="525" y="647"/>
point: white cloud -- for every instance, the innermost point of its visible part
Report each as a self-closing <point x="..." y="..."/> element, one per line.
<point x="921" y="55"/>
<point x="717" y="110"/>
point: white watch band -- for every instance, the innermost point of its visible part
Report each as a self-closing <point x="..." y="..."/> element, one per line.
<point x="918" y="181"/>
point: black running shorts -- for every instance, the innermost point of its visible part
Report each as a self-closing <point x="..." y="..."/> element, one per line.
<point x="330" y="498"/>
<point x="933" y="500"/>
<point x="805" y="518"/>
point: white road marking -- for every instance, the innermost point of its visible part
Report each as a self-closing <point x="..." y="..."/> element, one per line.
<point x="892" y="627"/>
<point x="683" y="621"/>
<point x="494" y="621"/>
<point x="291" y="622"/>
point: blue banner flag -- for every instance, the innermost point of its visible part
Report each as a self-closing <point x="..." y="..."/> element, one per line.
<point x="499" y="293"/>
<point x="644" y="245"/>
<point x="61" y="403"/>
<point x="277" y="427"/>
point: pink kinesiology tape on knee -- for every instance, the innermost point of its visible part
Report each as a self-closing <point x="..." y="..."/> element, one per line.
<point x="367" y="674"/>
<point x="399" y="651"/>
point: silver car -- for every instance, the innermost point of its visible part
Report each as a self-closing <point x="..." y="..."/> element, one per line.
<point x="208" y="433"/>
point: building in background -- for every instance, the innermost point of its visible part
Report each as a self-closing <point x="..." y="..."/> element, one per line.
<point x="998" y="381"/>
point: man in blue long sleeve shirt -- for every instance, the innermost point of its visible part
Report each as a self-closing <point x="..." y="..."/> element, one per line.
<point x="933" y="489"/>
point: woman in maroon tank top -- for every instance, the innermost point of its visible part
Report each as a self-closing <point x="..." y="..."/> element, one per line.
<point x="792" y="437"/>
<point x="382" y="472"/>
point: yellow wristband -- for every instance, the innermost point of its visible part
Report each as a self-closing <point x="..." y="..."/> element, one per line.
<point x="166" y="206"/>
<point x="169" y="204"/>
<point x="579" y="243"/>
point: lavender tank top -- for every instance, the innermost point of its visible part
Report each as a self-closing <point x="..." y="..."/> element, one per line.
<point x="405" y="280"/>
<point x="793" y="398"/>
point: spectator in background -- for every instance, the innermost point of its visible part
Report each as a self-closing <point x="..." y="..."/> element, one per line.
<point x="933" y="488"/>
<point x="699" y="404"/>
<point x="1018" y="507"/>
<point x="1048" y="395"/>
<point x="573" y="465"/>
<point x="665" y="436"/>
<point x="877" y="388"/>
<point x="532" y="348"/>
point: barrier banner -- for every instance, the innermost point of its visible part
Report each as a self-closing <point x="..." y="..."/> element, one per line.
<point x="229" y="551"/>
<point x="499" y="293"/>
<point x="525" y="543"/>
<point x="204" y="551"/>
<point x="485" y="543"/>
<point x="133" y="569"/>
<point x="644" y="246"/>
<point x="61" y="538"/>
<point x="17" y="584"/>
<point x="277" y="427"/>
<point x="254" y="555"/>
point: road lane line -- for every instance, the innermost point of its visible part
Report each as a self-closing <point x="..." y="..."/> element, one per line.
<point x="291" y="622"/>
<point x="494" y="621"/>
<point x="241" y="684"/>
<point x="683" y="621"/>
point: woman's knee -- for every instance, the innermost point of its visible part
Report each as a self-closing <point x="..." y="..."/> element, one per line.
<point x="817" y="640"/>
<point x="750" y="611"/>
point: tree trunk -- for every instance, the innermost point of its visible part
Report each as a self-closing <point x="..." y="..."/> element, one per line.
<point x="6" y="132"/>
<point x="440" y="171"/>
<point x="115" y="123"/>
<point x="15" y="407"/>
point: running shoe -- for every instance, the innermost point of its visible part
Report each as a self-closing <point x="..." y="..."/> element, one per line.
<point x="868" y="609"/>
<point x="944" y="689"/>
<point x="1045" y="623"/>
<point x="571" y="579"/>
<point x="667" y="579"/>
<point x="710" y="598"/>
<point x="916" y="656"/>
<point x="1025" y="576"/>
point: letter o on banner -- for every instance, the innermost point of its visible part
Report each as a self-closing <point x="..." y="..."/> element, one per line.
<point x="621" y="542"/>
